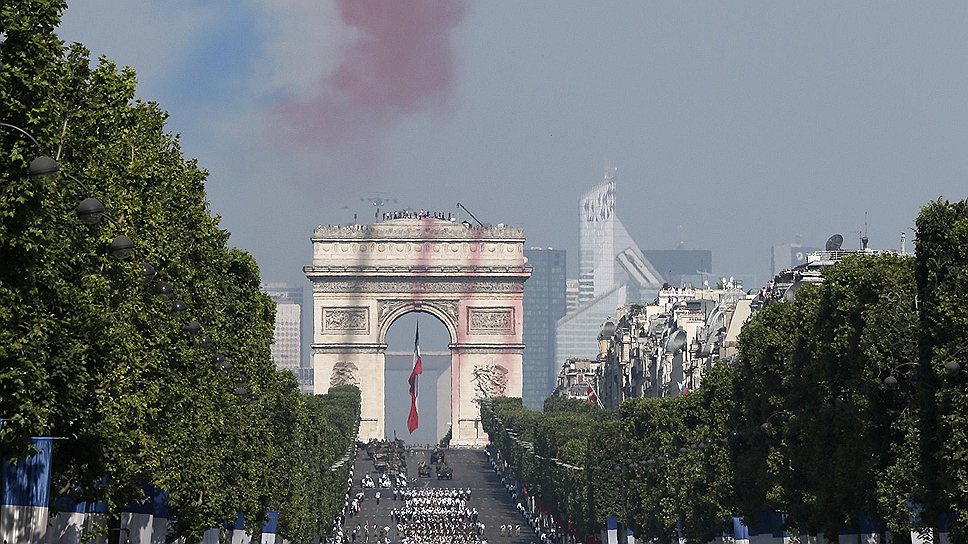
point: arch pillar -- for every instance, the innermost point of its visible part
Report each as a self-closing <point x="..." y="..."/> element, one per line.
<point x="480" y="371"/>
<point x="365" y="366"/>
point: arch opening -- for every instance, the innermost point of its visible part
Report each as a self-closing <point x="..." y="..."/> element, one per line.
<point x="434" y="397"/>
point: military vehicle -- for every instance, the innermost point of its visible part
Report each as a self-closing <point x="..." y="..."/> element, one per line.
<point x="423" y="470"/>
<point x="444" y="472"/>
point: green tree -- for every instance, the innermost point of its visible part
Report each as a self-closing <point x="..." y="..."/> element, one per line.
<point x="941" y="274"/>
<point x="89" y="353"/>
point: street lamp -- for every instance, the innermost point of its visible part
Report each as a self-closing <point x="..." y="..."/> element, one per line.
<point x="951" y="369"/>
<point x="42" y="165"/>
<point x="193" y="327"/>
<point x="766" y="427"/>
<point x="90" y="211"/>
<point x="121" y="247"/>
<point x="148" y="272"/>
<point x="164" y="289"/>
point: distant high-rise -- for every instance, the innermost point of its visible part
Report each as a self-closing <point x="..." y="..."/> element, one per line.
<point x="544" y="304"/>
<point x="287" y="337"/>
<point x="571" y="294"/>
<point x="789" y="255"/>
<point x="613" y="271"/>
<point x="610" y="257"/>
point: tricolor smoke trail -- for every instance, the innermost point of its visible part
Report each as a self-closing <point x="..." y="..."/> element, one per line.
<point x="402" y="62"/>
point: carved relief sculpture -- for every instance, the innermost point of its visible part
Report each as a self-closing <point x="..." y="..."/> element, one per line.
<point x="364" y="286"/>
<point x="346" y="319"/>
<point x="490" y="320"/>
<point x="388" y="307"/>
<point x="344" y="373"/>
<point x="490" y="380"/>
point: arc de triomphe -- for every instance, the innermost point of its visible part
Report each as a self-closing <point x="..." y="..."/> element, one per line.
<point x="470" y="278"/>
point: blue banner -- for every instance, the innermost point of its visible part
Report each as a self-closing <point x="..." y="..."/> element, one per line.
<point x="26" y="482"/>
<point x="272" y="523"/>
<point x="770" y="523"/>
<point x="740" y="530"/>
<point x="238" y="525"/>
<point x="68" y="503"/>
<point x="869" y="525"/>
<point x="159" y="503"/>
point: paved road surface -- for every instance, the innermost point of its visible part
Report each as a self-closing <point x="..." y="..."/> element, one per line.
<point x="471" y="469"/>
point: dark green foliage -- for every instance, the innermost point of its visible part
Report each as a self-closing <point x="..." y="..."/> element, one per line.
<point x="942" y="284"/>
<point x="799" y="422"/>
<point x="88" y="353"/>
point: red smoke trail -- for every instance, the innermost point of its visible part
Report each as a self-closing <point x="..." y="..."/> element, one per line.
<point x="402" y="63"/>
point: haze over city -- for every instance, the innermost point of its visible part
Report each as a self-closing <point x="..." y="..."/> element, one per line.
<point x="529" y="272"/>
<point x="734" y="127"/>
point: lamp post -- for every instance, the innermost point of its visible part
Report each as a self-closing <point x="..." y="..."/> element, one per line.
<point x="952" y="368"/>
<point x="766" y="427"/>
<point x="42" y="165"/>
<point x="90" y="211"/>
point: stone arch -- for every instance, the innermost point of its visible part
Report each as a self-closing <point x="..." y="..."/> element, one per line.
<point x="365" y="277"/>
<point x="443" y="310"/>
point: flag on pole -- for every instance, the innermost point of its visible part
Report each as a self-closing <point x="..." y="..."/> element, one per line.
<point x="414" y="418"/>
<point x="684" y="390"/>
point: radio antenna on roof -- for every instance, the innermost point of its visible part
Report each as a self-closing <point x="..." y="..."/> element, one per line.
<point x="459" y="205"/>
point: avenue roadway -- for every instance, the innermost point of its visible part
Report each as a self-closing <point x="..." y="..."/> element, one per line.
<point x="471" y="470"/>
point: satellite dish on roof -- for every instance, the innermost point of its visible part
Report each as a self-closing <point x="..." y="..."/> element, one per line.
<point x="834" y="242"/>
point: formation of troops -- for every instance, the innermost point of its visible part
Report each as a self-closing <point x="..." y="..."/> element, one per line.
<point x="433" y="515"/>
<point x="417" y="515"/>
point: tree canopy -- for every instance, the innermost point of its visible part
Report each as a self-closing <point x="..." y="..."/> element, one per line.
<point x="90" y="353"/>
<point x="800" y="427"/>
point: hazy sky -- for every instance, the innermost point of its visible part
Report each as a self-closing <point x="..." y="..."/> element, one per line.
<point x="745" y="123"/>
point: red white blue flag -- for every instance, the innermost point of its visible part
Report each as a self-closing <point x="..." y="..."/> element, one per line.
<point x="414" y="418"/>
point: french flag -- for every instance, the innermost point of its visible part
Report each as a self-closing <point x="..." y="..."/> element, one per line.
<point x="592" y="398"/>
<point x="414" y="418"/>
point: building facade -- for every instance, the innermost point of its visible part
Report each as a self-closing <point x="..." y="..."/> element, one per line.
<point x="544" y="304"/>
<point x="287" y="335"/>
<point x="578" y="380"/>
<point x="305" y="378"/>
<point x="664" y="348"/>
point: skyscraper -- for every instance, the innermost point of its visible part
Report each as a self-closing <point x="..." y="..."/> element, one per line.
<point x="609" y="255"/>
<point x="544" y="304"/>
<point x="287" y="336"/>
<point x="789" y="255"/>
<point x="612" y="272"/>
